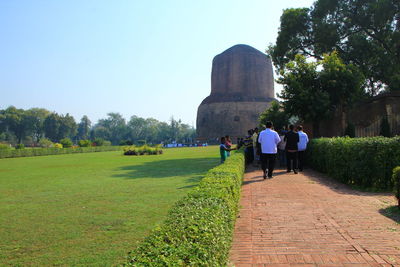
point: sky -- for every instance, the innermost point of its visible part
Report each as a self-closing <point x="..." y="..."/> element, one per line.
<point x="144" y="58"/>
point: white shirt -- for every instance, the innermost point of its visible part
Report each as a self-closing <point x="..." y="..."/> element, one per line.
<point x="268" y="139"/>
<point x="303" y="140"/>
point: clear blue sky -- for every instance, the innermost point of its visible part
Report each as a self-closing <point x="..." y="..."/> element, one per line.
<point x="145" y="58"/>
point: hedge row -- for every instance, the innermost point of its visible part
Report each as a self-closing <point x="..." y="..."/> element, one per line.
<point x="198" y="229"/>
<point x="31" y="152"/>
<point x="396" y="179"/>
<point x="365" y="162"/>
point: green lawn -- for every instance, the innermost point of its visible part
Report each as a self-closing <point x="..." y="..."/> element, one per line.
<point x="90" y="209"/>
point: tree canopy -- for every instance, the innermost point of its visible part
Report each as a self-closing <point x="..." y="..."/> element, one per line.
<point x="314" y="90"/>
<point x="364" y="33"/>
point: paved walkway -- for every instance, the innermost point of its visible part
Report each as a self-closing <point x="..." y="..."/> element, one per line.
<point x="311" y="220"/>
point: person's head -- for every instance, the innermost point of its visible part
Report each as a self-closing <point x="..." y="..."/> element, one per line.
<point x="250" y="132"/>
<point x="256" y="130"/>
<point x="269" y="124"/>
<point x="299" y="128"/>
<point x="223" y="140"/>
<point x="291" y="127"/>
<point x="227" y="138"/>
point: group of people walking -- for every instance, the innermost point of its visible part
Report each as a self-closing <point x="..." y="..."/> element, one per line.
<point x="263" y="147"/>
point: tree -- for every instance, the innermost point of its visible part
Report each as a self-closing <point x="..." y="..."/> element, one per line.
<point x="115" y="128"/>
<point x="84" y="128"/>
<point x="276" y="114"/>
<point x="302" y="92"/>
<point x="314" y="94"/>
<point x="51" y="127"/>
<point x="365" y="33"/>
<point x="18" y="122"/>
<point x="68" y="127"/>
<point x="37" y="117"/>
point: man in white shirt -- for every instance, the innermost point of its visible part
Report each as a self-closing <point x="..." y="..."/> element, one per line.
<point x="269" y="140"/>
<point x="302" y="146"/>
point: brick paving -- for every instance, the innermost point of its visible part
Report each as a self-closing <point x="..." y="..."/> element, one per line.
<point x="310" y="220"/>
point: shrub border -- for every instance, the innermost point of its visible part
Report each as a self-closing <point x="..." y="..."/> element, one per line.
<point x="396" y="181"/>
<point x="33" y="152"/>
<point x="199" y="228"/>
<point x="365" y="162"/>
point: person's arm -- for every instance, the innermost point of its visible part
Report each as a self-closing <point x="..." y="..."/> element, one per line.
<point x="277" y="139"/>
<point x="306" y="138"/>
<point x="260" y="138"/>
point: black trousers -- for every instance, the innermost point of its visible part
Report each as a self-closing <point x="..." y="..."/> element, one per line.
<point x="291" y="157"/>
<point x="301" y="157"/>
<point x="268" y="162"/>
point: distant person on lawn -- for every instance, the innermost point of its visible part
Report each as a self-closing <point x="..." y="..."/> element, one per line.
<point x="228" y="143"/>
<point x="268" y="139"/>
<point x="223" y="150"/>
<point x="292" y="139"/>
<point x="302" y="146"/>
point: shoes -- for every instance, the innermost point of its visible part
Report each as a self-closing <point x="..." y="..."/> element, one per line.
<point x="295" y="172"/>
<point x="265" y="175"/>
<point x="270" y="176"/>
<point x="288" y="171"/>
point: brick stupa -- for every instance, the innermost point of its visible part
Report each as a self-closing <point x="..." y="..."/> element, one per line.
<point x="242" y="87"/>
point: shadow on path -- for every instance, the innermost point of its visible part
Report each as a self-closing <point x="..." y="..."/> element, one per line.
<point x="319" y="178"/>
<point x="392" y="212"/>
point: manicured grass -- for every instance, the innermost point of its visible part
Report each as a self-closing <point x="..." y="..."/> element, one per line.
<point x="90" y="209"/>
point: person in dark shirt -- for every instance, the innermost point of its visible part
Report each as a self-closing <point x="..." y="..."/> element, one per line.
<point x="291" y="138"/>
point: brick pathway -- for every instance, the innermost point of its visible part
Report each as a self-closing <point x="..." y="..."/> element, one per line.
<point x="310" y="220"/>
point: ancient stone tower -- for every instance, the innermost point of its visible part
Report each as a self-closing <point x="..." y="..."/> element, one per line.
<point x="242" y="86"/>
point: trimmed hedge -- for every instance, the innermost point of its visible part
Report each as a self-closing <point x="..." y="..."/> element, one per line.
<point x="365" y="162"/>
<point x="396" y="181"/>
<point x="31" y="152"/>
<point x="198" y="229"/>
<point x="142" y="150"/>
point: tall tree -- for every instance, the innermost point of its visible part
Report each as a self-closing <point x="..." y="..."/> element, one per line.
<point x="84" y="128"/>
<point x="314" y="90"/>
<point x="365" y="33"/>
<point x="37" y="117"/>
<point x="115" y="125"/>
<point x="18" y="122"/>
<point x="51" y="127"/>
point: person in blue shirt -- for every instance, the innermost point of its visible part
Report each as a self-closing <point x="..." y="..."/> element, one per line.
<point x="302" y="146"/>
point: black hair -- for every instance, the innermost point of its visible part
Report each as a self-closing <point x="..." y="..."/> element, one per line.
<point x="291" y="127"/>
<point x="269" y="124"/>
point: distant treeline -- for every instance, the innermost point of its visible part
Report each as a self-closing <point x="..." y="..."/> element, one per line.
<point x="19" y="126"/>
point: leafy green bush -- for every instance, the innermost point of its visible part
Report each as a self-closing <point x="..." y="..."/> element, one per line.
<point x="66" y="142"/>
<point x="396" y="182"/>
<point x="198" y="229"/>
<point x="365" y="162"/>
<point x="20" y="146"/>
<point x="106" y="143"/>
<point x="84" y="143"/>
<point x="142" y="150"/>
<point x="4" y="146"/>
<point x="44" y="142"/>
<point x="14" y="153"/>
<point x="98" y="142"/>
